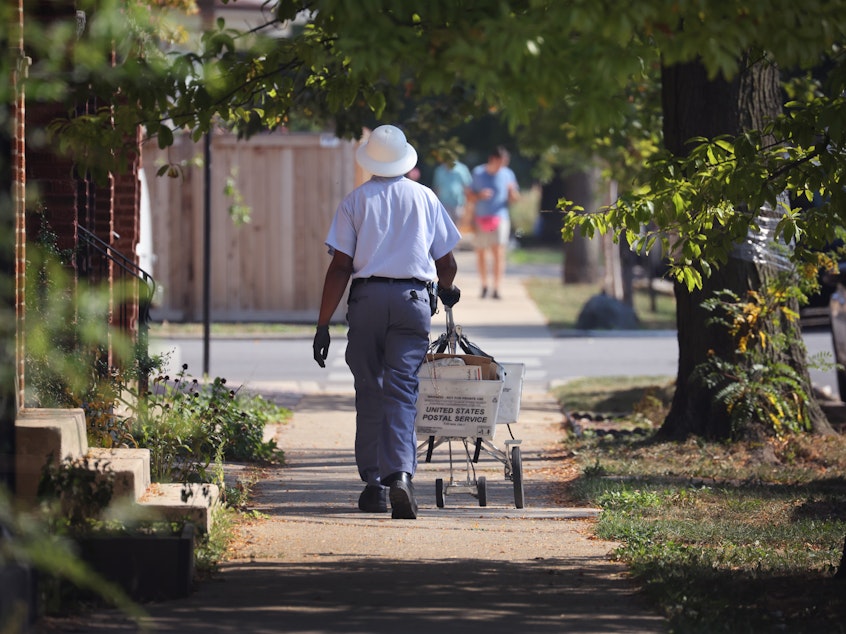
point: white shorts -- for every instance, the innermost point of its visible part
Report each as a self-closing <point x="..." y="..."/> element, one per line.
<point x="499" y="236"/>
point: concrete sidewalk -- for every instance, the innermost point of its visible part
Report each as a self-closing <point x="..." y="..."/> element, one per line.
<point x="312" y="563"/>
<point x="515" y="311"/>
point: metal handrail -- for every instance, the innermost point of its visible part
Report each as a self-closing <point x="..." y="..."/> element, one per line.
<point x="147" y="289"/>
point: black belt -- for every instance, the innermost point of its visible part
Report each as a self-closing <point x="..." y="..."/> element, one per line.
<point x="387" y="280"/>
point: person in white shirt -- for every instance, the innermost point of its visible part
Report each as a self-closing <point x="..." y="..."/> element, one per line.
<point x="393" y="238"/>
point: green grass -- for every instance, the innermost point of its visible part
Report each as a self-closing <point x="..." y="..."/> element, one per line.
<point x="562" y="303"/>
<point x="741" y="537"/>
<point x="613" y="394"/>
<point x="536" y="255"/>
<point x="210" y="549"/>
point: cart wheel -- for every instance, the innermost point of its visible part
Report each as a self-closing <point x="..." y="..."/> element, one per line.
<point x="517" y="476"/>
<point x="482" y="489"/>
<point x="439" y="492"/>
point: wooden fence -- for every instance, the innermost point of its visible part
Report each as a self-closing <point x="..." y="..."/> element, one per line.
<point x="269" y="269"/>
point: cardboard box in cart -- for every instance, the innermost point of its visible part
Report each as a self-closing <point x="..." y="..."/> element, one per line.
<point x="461" y="408"/>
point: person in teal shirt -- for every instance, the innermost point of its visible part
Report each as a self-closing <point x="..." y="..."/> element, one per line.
<point x="450" y="182"/>
<point x="493" y="189"/>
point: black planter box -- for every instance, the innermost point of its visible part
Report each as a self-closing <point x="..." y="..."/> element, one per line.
<point x="18" y="597"/>
<point x="147" y="567"/>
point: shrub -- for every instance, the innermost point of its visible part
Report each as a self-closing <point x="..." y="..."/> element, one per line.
<point x="78" y="490"/>
<point x="188" y="426"/>
<point x="753" y="385"/>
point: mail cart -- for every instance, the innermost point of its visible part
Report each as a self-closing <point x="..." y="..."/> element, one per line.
<point x="464" y="397"/>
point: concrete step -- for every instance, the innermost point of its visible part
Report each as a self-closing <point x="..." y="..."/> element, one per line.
<point x="131" y="468"/>
<point x="45" y="436"/>
<point x="194" y="503"/>
<point x="52" y="435"/>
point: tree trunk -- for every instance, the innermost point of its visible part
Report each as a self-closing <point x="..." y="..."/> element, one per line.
<point x="696" y="106"/>
<point x="581" y="255"/>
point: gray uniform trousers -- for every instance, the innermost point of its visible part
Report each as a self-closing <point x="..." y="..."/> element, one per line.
<point x="388" y="337"/>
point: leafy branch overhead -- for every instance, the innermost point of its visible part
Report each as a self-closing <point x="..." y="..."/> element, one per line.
<point x="793" y="167"/>
<point x="579" y="77"/>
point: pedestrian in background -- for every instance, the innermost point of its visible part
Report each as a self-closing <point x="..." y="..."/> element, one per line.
<point x="393" y="237"/>
<point x="450" y="182"/>
<point x="493" y="189"/>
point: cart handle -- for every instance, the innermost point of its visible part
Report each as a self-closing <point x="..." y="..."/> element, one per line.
<point x="452" y="336"/>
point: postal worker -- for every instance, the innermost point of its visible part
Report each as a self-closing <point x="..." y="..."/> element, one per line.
<point x="393" y="238"/>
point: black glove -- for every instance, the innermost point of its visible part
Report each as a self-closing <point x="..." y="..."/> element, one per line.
<point x="321" y="345"/>
<point x="449" y="296"/>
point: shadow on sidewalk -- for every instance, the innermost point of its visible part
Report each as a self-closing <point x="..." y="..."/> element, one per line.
<point x="378" y="595"/>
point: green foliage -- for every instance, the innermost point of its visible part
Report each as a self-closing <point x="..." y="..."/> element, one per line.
<point x="181" y="445"/>
<point x="186" y="427"/>
<point x="698" y="206"/>
<point x="238" y="211"/>
<point x="105" y="427"/>
<point x="719" y="540"/>
<point x="753" y="385"/>
<point x="355" y="64"/>
<point x="754" y="392"/>
<point x="79" y="488"/>
<point x="28" y="540"/>
<point x="189" y="427"/>
<point x="67" y="327"/>
<point x="244" y="432"/>
<point x="54" y="336"/>
<point x="210" y="548"/>
<point x="709" y="574"/>
<point x="180" y="429"/>
<point x="596" y="470"/>
<point x="351" y="65"/>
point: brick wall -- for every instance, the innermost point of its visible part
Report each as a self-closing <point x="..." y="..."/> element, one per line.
<point x="127" y="202"/>
<point x="66" y="201"/>
<point x="50" y="179"/>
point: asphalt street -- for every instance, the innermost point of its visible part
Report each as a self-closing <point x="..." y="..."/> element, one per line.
<point x="287" y="365"/>
<point x="512" y="330"/>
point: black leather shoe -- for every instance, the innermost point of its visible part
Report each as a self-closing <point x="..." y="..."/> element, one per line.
<point x="373" y="499"/>
<point x="403" y="504"/>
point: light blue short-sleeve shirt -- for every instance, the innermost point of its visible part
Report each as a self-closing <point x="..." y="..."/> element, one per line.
<point x="449" y="183"/>
<point x="392" y="227"/>
<point x="499" y="183"/>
